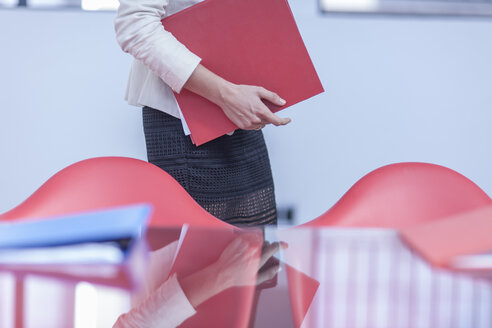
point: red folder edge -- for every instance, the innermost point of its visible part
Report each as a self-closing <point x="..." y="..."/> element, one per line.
<point x="439" y="242"/>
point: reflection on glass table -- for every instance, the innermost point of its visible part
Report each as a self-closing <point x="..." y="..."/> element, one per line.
<point x="195" y="277"/>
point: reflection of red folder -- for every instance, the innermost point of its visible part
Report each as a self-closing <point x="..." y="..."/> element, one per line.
<point x="234" y="307"/>
<point x="443" y="241"/>
<point x="253" y="42"/>
<point x="302" y="290"/>
<point x="198" y="249"/>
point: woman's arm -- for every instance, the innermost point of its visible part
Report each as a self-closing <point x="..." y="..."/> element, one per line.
<point x="237" y="266"/>
<point x="139" y="31"/>
<point x="166" y="307"/>
<point x="175" y="301"/>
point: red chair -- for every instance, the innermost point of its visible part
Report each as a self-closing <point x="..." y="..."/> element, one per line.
<point x="103" y="182"/>
<point x="397" y="196"/>
<point x="100" y="183"/>
<point x="404" y="194"/>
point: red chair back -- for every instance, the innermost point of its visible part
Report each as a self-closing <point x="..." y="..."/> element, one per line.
<point x="404" y="194"/>
<point x="103" y="182"/>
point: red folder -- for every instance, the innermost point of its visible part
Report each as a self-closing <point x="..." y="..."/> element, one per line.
<point x="199" y="249"/>
<point x="442" y="242"/>
<point x="254" y="42"/>
<point x="302" y="290"/>
<point x="234" y="307"/>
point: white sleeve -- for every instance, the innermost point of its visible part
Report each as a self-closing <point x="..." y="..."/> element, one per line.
<point x="167" y="307"/>
<point x="139" y="31"/>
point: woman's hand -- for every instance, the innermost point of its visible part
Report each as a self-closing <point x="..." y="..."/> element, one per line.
<point x="239" y="262"/>
<point x="242" y="104"/>
<point x="242" y="261"/>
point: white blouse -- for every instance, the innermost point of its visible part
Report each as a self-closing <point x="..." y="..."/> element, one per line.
<point x="162" y="64"/>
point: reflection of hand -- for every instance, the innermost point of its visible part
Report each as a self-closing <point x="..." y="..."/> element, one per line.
<point x="238" y="265"/>
<point x="244" y="262"/>
<point x="269" y="266"/>
<point x="240" y="262"/>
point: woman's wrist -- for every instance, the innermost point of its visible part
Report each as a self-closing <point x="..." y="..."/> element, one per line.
<point x="201" y="285"/>
<point x="225" y="90"/>
<point x="209" y="85"/>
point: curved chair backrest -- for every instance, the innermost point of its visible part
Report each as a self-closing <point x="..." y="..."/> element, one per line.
<point x="404" y="194"/>
<point x="103" y="182"/>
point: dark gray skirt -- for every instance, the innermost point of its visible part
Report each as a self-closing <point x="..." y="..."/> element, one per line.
<point x="230" y="177"/>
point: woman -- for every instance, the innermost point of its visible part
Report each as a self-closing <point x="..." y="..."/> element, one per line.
<point x="230" y="176"/>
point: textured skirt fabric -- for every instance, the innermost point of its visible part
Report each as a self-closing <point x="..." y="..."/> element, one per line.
<point x="230" y="177"/>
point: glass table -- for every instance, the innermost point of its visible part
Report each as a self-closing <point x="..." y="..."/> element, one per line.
<point x="292" y="277"/>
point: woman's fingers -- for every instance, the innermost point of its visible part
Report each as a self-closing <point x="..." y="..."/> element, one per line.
<point x="270" y="96"/>
<point x="269" y="118"/>
<point x="243" y="105"/>
<point x="257" y="126"/>
<point x="266" y="115"/>
<point x="268" y="274"/>
<point x="268" y="251"/>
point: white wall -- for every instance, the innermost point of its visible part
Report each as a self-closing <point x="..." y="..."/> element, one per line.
<point x="62" y="83"/>
<point x="397" y="89"/>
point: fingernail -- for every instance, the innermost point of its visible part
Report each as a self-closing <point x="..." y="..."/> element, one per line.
<point x="282" y="101"/>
